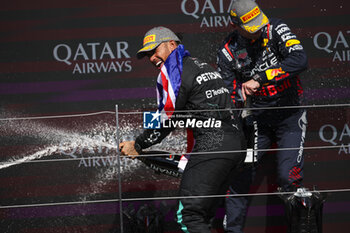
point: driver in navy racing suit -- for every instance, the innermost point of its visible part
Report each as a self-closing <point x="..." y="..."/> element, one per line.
<point x="260" y="61"/>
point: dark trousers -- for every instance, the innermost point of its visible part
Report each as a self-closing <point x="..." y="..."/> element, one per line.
<point x="206" y="175"/>
<point x="287" y="129"/>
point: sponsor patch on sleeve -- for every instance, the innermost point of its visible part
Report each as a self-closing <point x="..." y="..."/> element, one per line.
<point x="292" y="42"/>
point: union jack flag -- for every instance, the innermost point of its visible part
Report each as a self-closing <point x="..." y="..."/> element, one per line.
<point x="169" y="82"/>
<point x="168" y="86"/>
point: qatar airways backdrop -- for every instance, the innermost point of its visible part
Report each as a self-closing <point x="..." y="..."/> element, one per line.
<point x="64" y="58"/>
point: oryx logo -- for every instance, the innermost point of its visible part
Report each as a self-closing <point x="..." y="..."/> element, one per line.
<point x="151" y="120"/>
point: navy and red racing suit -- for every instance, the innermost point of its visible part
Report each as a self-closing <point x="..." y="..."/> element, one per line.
<point x="206" y="173"/>
<point x="278" y="58"/>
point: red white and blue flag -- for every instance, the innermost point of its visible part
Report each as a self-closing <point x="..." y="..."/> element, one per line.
<point x="169" y="82"/>
<point x="168" y="86"/>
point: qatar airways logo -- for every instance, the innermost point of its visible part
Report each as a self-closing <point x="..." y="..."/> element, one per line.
<point x="330" y="134"/>
<point x="210" y="13"/>
<point x="90" y="153"/>
<point x="337" y="46"/>
<point x="94" y="57"/>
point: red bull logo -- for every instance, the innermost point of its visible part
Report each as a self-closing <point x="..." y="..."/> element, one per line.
<point x="272" y="90"/>
<point x="272" y="73"/>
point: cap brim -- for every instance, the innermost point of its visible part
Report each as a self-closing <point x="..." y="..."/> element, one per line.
<point x="256" y="24"/>
<point x="142" y="52"/>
